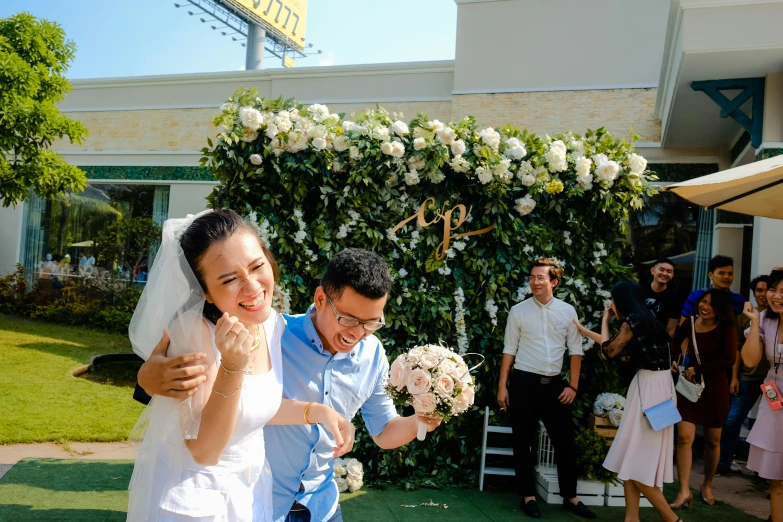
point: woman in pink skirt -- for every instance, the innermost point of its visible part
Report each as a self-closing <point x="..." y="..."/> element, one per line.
<point x="640" y="456"/>
<point x="765" y="339"/>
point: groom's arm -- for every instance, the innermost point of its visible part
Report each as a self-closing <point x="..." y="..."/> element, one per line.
<point x="177" y="377"/>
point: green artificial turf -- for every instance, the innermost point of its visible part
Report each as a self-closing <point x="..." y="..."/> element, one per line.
<point x="41" y="400"/>
<point x="86" y="491"/>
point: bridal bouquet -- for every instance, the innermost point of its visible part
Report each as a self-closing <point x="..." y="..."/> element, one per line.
<point x="434" y="380"/>
<point x="610" y="405"/>
<point x="348" y="475"/>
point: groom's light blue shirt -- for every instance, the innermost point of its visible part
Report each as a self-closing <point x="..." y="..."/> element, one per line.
<point x="301" y="456"/>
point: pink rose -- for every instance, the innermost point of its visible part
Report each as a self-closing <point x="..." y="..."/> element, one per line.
<point x="398" y="373"/>
<point x="464" y="400"/>
<point x="418" y="382"/>
<point x="429" y="360"/>
<point x="444" y="386"/>
<point x="424" y="403"/>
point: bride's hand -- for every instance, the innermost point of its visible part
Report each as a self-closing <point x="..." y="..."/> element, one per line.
<point x="234" y="342"/>
<point x="582" y="330"/>
<point x="342" y="430"/>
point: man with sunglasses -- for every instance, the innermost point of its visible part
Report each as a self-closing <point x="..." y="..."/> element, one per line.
<point x="331" y="356"/>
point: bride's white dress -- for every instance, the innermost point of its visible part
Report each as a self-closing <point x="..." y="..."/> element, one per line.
<point x="168" y="485"/>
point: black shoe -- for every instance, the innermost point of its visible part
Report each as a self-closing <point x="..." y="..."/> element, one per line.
<point x="530" y="508"/>
<point x="578" y="509"/>
<point x="723" y="471"/>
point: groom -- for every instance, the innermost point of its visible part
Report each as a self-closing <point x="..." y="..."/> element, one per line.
<point x="329" y="356"/>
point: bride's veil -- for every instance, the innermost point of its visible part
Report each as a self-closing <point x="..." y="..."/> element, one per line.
<point x="172" y="300"/>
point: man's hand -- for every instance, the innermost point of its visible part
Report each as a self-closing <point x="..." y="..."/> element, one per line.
<point x="734" y="386"/>
<point x="503" y="398"/>
<point x="567" y="396"/>
<point x="431" y="422"/>
<point x="176" y="377"/>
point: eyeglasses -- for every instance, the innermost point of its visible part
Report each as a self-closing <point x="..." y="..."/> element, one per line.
<point x="540" y="279"/>
<point x="351" y="322"/>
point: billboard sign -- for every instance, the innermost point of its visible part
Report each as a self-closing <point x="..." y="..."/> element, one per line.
<point x="284" y="20"/>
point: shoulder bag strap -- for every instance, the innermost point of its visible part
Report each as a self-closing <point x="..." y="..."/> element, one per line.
<point x="639" y="386"/>
<point x="696" y="347"/>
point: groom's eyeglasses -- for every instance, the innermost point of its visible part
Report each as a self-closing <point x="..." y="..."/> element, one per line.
<point x="351" y="322"/>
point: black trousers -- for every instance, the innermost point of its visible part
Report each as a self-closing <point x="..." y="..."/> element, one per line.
<point x="533" y="397"/>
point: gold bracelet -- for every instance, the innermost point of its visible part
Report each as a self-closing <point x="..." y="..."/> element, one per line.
<point x="307" y="408"/>
<point x="226" y="371"/>
<point x="227" y="395"/>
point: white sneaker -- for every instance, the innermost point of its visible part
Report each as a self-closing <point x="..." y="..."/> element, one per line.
<point x="736" y="468"/>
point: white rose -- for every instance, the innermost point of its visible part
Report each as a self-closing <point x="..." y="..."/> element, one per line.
<point x="607" y="171"/>
<point x="300" y="236"/>
<point x="464" y="400"/>
<point x="354" y="483"/>
<point x="458" y="147"/>
<point x="583" y="166"/>
<point x="402" y="272"/>
<point x="284" y="125"/>
<point x="251" y="118"/>
<point x="398" y="149"/>
<point x="435" y="125"/>
<point x="586" y="181"/>
<point x="318" y="112"/>
<point x="484" y="175"/>
<point x="556" y="157"/>
<point x="418" y="382"/>
<point x="616" y="417"/>
<point x="525" y="205"/>
<point x="386" y="147"/>
<point x="399" y="128"/>
<point x="354" y="468"/>
<point x="419" y="143"/>
<point x="490" y="137"/>
<point x="249" y="136"/>
<point x="460" y="164"/>
<point x="349" y="126"/>
<point x="319" y="131"/>
<point x="342" y="484"/>
<point x="600" y="158"/>
<point x="606" y="401"/>
<point x="444" y="386"/>
<point x="319" y="143"/>
<point x="516" y="153"/>
<point x="271" y="130"/>
<point x="255" y="159"/>
<point x="355" y="154"/>
<point x="637" y="164"/>
<point x="412" y="178"/>
<point x="339" y="467"/>
<point x="424" y="402"/>
<point x="528" y="180"/>
<point x="380" y="132"/>
<point x="341" y="143"/>
<point x="416" y="163"/>
<point x="446" y="135"/>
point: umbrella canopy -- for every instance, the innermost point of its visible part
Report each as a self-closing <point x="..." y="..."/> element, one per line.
<point x="755" y="189"/>
<point x="87" y="243"/>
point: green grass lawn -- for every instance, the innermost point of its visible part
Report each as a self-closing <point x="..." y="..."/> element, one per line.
<point x="40" y="399"/>
<point x="86" y="491"/>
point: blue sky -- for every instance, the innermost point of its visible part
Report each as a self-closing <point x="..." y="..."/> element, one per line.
<point x="150" y="37"/>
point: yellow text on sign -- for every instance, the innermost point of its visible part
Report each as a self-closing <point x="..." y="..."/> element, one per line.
<point x="287" y="17"/>
<point x="441" y="214"/>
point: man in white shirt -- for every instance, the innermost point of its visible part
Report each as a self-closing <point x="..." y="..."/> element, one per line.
<point x="538" y="333"/>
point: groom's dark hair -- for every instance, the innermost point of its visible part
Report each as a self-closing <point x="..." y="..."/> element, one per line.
<point x="363" y="271"/>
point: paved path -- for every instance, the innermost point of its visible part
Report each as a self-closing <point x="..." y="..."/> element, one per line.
<point x="11" y="454"/>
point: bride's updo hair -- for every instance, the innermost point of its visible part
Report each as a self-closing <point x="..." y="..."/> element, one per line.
<point x="212" y="228"/>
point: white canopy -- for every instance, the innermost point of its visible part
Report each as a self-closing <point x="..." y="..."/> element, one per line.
<point x="755" y="189"/>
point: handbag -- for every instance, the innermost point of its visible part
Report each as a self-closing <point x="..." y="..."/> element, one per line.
<point x="663" y="414"/>
<point x="689" y="390"/>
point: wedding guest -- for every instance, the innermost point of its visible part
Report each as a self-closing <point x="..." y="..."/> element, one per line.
<point x="204" y="458"/>
<point x="660" y="298"/>
<point x="641" y="456"/>
<point x="330" y="355"/>
<point x="539" y="331"/>
<point x="745" y="388"/>
<point x="717" y="351"/>
<point x="765" y="341"/>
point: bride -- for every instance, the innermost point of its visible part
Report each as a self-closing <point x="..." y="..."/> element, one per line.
<point x="202" y="458"/>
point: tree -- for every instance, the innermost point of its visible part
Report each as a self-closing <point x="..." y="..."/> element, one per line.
<point x="127" y="242"/>
<point x="34" y="55"/>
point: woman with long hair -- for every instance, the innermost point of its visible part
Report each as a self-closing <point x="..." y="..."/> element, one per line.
<point x="716" y="343"/>
<point x="641" y="456"/>
<point x="765" y="339"/>
<point x="202" y="458"/>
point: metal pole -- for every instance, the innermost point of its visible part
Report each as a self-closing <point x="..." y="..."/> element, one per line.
<point x="256" y="37"/>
